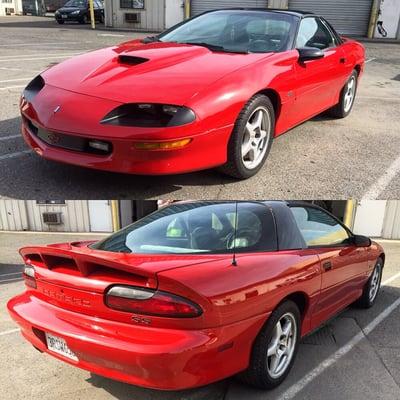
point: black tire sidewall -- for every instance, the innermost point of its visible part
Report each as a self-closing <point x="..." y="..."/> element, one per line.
<point x="235" y="145"/>
<point x="368" y="286"/>
<point x="258" y="363"/>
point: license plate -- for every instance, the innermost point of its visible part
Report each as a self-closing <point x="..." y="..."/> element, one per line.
<point x="63" y="16"/>
<point x="59" y="346"/>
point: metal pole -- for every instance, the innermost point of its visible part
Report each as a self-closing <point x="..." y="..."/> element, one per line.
<point x="349" y="213"/>
<point x="115" y="215"/>
<point x="187" y="9"/>
<point x="374" y="17"/>
<point x="92" y="21"/>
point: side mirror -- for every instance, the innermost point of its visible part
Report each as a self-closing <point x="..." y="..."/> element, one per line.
<point x="361" y="241"/>
<point x="310" y="53"/>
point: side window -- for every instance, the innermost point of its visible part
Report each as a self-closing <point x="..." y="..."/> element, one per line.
<point x="319" y="228"/>
<point x="313" y="33"/>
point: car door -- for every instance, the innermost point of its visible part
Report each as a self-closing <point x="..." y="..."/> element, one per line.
<point x="317" y="80"/>
<point x="343" y="265"/>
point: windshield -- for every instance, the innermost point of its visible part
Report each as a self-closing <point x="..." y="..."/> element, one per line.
<point x="241" y="31"/>
<point x="204" y="227"/>
<point x="76" y="3"/>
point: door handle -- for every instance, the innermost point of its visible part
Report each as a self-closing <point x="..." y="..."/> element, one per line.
<point x="342" y="60"/>
<point x="327" y="266"/>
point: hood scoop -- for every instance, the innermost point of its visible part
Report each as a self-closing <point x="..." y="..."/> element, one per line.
<point x="131" y="60"/>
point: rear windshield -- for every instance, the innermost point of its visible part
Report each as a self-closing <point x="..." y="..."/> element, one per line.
<point x="202" y="227"/>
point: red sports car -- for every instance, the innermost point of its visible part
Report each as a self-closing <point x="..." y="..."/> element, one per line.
<point x="213" y="91"/>
<point x="196" y="292"/>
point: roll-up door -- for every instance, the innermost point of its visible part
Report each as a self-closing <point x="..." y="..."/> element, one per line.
<point x="347" y="17"/>
<point x="199" y="6"/>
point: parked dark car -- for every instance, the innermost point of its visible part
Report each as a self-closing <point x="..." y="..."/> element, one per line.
<point x="78" y="10"/>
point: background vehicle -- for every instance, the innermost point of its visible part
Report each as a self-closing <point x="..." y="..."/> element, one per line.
<point x="262" y="73"/>
<point x="196" y="292"/>
<point x="78" y="10"/>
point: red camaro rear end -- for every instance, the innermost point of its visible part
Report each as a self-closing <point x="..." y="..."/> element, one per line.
<point x="184" y="296"/>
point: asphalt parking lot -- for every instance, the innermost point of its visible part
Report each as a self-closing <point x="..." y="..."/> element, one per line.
<point x="356" y="355"/>
<point x="324" y="158"/>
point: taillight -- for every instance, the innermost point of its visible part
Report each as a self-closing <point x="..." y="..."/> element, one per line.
<point x="150" y="302"/>
<point x="29" y="276"/>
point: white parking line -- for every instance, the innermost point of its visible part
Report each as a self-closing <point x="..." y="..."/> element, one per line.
<point x="9" y="331"/>
<point x="394" y="277"/>
<point x="39" y="58"/>
<point x="38" y="55"/>
<point x="378" y="187"/>
<point x="9" y="137"/>
<point x="17" y="79"/>
<point x="12" y="87"/>
<point x="379" y="98"/>
<point x="110" y="35"/>
<point x="12" y="155"/>
<point x="10" y="280"/>
<point x="369" y="60"/>
<point x="38" y="44"/>
<point x="14" y="273"/>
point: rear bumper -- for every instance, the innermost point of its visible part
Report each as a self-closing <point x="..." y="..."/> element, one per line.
<point x="156" y="358"/>
<point x="206" y="150"/>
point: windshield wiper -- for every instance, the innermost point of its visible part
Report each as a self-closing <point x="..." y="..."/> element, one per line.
<point x="214" y="47"/>
<point x="151" y="39"/>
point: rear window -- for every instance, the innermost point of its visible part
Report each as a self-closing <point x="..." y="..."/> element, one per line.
<point x="203" y="227"/>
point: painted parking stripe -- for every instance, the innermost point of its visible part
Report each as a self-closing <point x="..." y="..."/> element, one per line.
<point x="39" y="58"/>
<point x="9" y="137"/>
<point x="394" y="277"/>
<point x="38" y="44"/>
<point x="9" y="331"/>
<point x="14" y="273"/>
<point x="378" y="187"/>
<point x="370" y="59"/>
<point x="12" y="87"/>
<point x="11" y="280"/>
<point x="38" y="55"/>
<point x="12" y="155"/>
<point x="17" y="79"/>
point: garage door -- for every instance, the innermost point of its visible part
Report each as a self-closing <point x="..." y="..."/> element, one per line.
<point x="199" y="6"/>
<point x="347" y="17"/>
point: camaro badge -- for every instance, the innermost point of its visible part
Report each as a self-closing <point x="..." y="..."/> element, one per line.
<point x="57" y="109"/>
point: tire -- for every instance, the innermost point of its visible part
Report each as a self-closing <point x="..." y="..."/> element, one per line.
<point x="60" y="21"/>
<point x="83" y="20"/>
<point x="367" y="300"/>
<point x="343" y="109"/>
<point x="236" y="165"/>
<point x="101" y="19"/>
<point x="258" y="373"/>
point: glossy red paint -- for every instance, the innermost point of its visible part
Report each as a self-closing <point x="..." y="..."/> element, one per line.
<point x="214" y="85"/>
<point x="179" y="353"/>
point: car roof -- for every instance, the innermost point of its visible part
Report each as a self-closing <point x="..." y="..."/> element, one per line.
<point x="297" y="13"/>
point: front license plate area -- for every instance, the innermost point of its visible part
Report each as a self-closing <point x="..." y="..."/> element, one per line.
<point x="68" y="142"/>
<point x="59" y="346"/>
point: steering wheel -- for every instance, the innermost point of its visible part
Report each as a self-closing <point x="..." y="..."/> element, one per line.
<point x="244" y="232"/>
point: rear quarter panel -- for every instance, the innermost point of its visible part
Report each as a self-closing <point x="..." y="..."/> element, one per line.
<point x="229" y="294"/>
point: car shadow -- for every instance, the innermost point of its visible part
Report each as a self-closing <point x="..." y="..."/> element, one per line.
<point x="124" y="391"/>
<point x="10" y="273"/>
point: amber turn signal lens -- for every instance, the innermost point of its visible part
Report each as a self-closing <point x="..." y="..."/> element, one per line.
<point x="176" y="144"/>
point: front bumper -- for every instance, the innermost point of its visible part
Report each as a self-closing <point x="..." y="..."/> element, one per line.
<point x="80" y="116"/>
<point x="164" y="359"/>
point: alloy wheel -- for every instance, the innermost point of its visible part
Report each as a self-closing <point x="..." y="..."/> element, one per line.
<point x="349" y="94"/>
<point x="375" y="282"/>
<point x="256" y="138"/>
<point x="282" y="345"/>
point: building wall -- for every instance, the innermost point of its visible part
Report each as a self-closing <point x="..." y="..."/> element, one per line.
<point x="14" y="4"/>
<point x="391" y="223"/>
<point x="152" y="17"/>
<point x="13" y="215"/>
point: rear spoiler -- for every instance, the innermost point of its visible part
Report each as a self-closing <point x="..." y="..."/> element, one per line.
<point x="83" y="261"/>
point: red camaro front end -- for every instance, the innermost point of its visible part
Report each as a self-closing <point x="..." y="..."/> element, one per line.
<point x="196" y="292"/>
<point x="174" y="103"/>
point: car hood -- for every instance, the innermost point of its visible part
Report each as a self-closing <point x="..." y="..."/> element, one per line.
<point x="156" y="72"/>
<point x="70" y="9"/>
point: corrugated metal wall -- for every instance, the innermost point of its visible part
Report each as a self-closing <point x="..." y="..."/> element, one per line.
<point x="199" y="6"/>
<point x="152" y="16"/>
<point x="13" y="215"/>
<point x="391" y="224"/>
<point x="347" y="17"/>
<point x="26" y="215"/>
